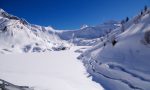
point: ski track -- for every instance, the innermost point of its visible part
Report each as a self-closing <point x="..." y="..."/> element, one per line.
<point x="121" y="80"/>
<point x="126" y="71"/>
<point x="117" y="67"/>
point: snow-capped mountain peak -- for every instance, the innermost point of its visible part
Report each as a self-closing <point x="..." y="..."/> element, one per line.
<point x="49" y="28"/>
<point x="1" y="10"/>
<point x="84" y="26"/>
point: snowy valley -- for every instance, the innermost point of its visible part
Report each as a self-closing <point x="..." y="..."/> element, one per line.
<point x="110" y="56"/>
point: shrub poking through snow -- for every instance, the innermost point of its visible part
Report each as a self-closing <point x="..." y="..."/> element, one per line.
<point x="59" y="47"/>
<point x="114" y="42"/>
<point x="5" y="29"/>
<point x="36" y="49"/>
<point x="27" y="48"/>
<point x="147" y="37"/>
<point x="122" y="25"/>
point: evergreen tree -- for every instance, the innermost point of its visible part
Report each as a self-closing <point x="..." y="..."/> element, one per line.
<point x="127" y="19"/>
<point x="141" y="13"/>
<point x="145" y="8"/>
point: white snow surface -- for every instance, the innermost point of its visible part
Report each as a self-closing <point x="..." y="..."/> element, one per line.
<point x="124" y="66"/>
<point x="47" y="71"/>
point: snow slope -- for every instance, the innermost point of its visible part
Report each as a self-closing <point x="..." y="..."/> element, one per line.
<point x="124" y="65"/>
<point x="47" y="71"/>
<point x="17" y="35"/>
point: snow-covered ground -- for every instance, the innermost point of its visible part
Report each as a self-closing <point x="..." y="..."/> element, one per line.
<point x="57" y="70"/>
<point x="122" y="60"/>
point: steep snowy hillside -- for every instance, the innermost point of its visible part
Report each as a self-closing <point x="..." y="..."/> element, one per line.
<point x="122" y="60"/>
<point x="17" y="35"/>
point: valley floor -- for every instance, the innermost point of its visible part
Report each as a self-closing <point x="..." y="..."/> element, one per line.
<point x="58" y="70"/>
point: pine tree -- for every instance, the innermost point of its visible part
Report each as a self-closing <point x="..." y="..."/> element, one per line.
<point x="141" y="13"/>
<point x="145" y="8"/>
<point x="127" y="19"/>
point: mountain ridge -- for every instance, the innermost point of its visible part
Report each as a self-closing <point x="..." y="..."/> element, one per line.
<point x="18" y="32"/>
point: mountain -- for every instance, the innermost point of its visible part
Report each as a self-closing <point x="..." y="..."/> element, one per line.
<point x="17" y="35"/>
<point x="115" y="54"/>
<point x="89" y="35"/>
<point x="121" y="61"/>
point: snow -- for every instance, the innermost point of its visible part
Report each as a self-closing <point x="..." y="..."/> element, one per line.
<point x="47" y="71"/>
<point x="84" y="26"/>
<point x="16" y="33"/>
<point x="124" y="66"/>
<point x="88" y="32"/>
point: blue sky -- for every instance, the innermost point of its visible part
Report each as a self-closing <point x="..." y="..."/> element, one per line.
<point x="72" y="14"/>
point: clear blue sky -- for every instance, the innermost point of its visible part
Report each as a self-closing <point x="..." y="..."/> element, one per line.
<point x="71" y="14"/>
